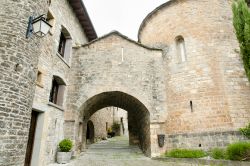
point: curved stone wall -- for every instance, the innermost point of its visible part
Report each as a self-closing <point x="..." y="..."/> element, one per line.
<point x="18" y="66"/>
<point x="212" y="78"/>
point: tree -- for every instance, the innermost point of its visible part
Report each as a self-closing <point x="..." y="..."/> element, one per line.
<point x="241" y="22"/>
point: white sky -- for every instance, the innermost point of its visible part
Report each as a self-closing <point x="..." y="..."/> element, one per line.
<point x="124" y="16"/>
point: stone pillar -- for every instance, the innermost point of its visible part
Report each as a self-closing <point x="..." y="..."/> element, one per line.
<point x="18" y="67"/>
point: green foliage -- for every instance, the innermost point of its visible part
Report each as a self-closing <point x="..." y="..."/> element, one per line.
<point x="65" y="145"/>
<point x="115" y="126"/>
<point x="239" y="151"/>
<point x="246" y="131"/>
<point x="218" y="153"/>
<point x="241" y="22"/>
<point x="109" y="130"/>
<point x="186" y="153"/>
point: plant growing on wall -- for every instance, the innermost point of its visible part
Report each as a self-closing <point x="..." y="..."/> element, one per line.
<point x="241" y="22"/>
<point x="246" y="131"/>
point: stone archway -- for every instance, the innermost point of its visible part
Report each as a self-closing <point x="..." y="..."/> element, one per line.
<point x="138" y="116"/>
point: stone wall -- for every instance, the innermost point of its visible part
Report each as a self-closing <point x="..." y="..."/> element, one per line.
<point x="51" y="63"/>
<point x="118" y="66"/>
<point x="212" y="77"/>
<point x="99" y="119"/>
<point x="202" y="140"/>
<point x="104" y="118"/>
<point x="18" y="67"/>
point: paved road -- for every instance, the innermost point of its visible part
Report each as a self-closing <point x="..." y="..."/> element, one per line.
<point x="116" y="152"/>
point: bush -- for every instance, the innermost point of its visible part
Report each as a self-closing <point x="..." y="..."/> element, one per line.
<point x="186" y="153"/>
<point x="115" y="126"/>
<point x="246" y="131"/>
<point x="218" y="153"/>
<point x="239" y="151"/>
<point x="241" y="22"/>
<point x="65" y="145"/>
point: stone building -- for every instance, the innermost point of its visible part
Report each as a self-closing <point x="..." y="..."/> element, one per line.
<point x="184" y="78"/>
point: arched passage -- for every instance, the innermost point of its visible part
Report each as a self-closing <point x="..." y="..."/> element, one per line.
<point x="138" y="116"/>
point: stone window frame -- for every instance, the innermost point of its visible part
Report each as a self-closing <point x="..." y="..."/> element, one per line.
<point x="64" y="54"/>
<point x="52" y="21"/>
<point x="39" y="78"/>
<point x="180" y="49"/>
<point x="57" y="91"/>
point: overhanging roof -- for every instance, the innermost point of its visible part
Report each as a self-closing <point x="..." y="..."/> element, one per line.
<point x="83" y="17"/>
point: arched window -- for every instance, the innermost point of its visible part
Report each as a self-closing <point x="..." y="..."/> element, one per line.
<point x="65" y="44"/>
<point x="180" y="48"/>
<point x="57" y="91"/>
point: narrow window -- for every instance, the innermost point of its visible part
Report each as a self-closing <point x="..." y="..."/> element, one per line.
<point x="54" y="92"/>
<point x="39" y="78"/>
<point x="65" y="44"/>
<point x="62" y="44"/>
<point x="180" y="48"/>
<point x="57" y="91"/>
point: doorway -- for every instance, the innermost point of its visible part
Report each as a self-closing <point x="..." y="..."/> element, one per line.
<point x="90" y="135"/>
<point x="31" y="138"/>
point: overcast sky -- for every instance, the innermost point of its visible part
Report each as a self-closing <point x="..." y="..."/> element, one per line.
<point x="124" y="16"/>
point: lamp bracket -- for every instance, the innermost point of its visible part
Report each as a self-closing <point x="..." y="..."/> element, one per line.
<point x="30" y="28"/>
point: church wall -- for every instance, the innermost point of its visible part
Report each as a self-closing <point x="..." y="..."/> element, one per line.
<point x="212" y="77"/>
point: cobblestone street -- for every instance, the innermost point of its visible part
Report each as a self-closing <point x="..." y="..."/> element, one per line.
<point x="116" y="152"/>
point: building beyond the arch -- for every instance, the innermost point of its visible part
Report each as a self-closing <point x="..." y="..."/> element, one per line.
<point x="184" y="79"/>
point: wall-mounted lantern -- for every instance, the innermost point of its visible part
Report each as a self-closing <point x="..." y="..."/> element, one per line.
<point x="38" y="26"/>
<point x="161" y="140"/>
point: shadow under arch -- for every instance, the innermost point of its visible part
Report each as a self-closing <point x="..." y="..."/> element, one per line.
<point x="138" y="116"/>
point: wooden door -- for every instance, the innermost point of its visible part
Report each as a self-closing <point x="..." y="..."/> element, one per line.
<point x="31" y="138"/>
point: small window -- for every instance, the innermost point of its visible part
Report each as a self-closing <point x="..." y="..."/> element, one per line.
<point x="62" y="44"/>
<point x="180" y="49"/>
<point x="65" y="45"/>
<point x="57" y="91"/>
<point x="39" y="78"/>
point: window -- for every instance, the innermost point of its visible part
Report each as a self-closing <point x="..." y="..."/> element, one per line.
<point x="57" y="91"/>
<point x="62" y="44"/>
<point x="180" y="49"/>
<point x="65" y="44"/>
<point x="39" y="79"/>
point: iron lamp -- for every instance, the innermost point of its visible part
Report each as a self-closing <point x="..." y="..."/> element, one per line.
<point x="38" y="26"/>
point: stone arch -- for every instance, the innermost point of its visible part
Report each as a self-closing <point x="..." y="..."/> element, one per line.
<point x="65" y="31"/>
<point x="90" y="133"/>
<point x="138" y="115"/>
